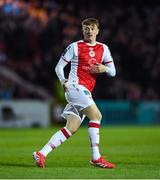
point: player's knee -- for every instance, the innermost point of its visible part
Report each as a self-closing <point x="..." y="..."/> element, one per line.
<point x="73" y="124"/>
<point x="73" y="129"/>
<point x="98" y="116"/>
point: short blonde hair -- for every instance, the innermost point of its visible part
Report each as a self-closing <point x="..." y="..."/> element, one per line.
<point x="90" y="21"/>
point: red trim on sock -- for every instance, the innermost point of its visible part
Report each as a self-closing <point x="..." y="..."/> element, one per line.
<point x="65" y="133"/>
<point x="94" y="125"/>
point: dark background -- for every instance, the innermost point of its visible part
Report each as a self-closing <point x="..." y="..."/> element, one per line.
<point x="33" y="34"/>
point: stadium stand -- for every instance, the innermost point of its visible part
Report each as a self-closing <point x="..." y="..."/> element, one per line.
<point x="34" y="33"/>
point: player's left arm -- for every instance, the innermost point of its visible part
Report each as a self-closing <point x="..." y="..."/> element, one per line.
<point x="107" y="66"/>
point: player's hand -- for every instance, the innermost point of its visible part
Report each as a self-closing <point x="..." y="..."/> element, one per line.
<point x="98" y="68"/>
<point x="64" y="85"/>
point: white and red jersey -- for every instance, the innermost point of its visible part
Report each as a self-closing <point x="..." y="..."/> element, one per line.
<point x="82" y="56"/>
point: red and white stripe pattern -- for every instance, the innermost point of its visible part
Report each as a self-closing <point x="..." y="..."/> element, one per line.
<point x="66" y="132"/>
<point x="82" y="56"/>
<point x="57" y="139"/>
<point x="61" y="136"/>
<point x="94" y="124"/>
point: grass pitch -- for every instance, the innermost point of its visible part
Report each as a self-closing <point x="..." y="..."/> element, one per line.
<point x="135" y="150"/>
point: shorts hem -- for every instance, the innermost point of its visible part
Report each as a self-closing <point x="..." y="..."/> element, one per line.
<point x="70" y="112"/>
<point x="82" y="106"/>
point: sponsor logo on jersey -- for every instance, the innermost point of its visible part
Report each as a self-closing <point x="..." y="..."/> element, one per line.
<point x="92" y="61"/>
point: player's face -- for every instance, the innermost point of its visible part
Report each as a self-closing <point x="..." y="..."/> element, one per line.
<point x="90" y="32"/>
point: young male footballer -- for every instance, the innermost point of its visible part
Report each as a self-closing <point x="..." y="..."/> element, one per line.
<point x="88" y="58"/>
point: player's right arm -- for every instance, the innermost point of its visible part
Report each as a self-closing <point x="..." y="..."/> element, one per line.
<point x="65" y="58"/>
<point x="59" y="69"/>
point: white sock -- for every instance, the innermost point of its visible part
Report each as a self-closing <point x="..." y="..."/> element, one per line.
<point x="93" y="129"/>
<point x="57" y="139"/>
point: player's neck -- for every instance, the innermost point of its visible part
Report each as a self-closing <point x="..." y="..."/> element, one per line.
<point x="92" y="42"/>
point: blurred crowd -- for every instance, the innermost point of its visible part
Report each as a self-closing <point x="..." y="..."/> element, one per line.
<point x="33" y="34"/>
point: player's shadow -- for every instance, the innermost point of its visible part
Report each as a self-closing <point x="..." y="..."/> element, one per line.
<point x="15" y="165"/>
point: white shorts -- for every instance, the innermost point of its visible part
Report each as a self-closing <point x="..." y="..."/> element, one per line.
<point x="78" y="98"/>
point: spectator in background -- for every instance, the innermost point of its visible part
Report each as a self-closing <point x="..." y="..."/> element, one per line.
<point x="35" y="32"/>
<point x="6" y="88"/>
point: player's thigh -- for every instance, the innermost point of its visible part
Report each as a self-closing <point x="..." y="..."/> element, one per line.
<point x="92" y="112"/>
<point x="73" y="123"/>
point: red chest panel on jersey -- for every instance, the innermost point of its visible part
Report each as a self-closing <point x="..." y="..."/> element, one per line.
<point x="88" y="56"/>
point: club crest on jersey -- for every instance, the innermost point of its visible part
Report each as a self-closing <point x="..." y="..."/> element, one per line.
<point x="91" y="53"/>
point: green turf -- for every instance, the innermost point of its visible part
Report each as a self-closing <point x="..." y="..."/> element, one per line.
<point x="135" y="150"/>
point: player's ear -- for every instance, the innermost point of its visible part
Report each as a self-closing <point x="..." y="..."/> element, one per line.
<point x="97" y="31"/>
<point x="82" y="30"/>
